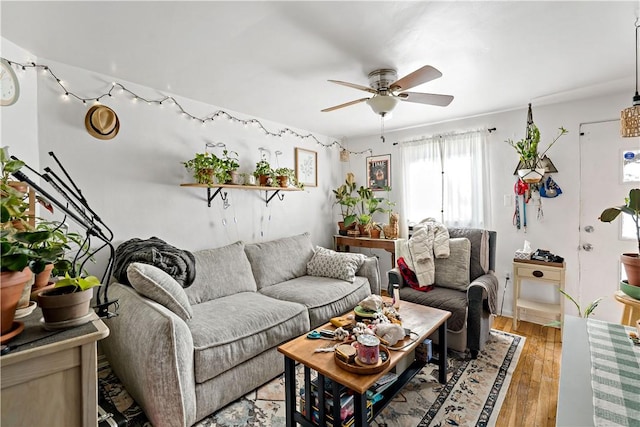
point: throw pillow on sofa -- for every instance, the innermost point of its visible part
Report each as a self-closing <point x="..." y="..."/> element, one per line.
<point x="158" y="286"/>
<point x="336" y="265"/>
<point x="453" y="272"/>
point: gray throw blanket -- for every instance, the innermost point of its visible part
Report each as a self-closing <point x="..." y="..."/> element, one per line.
<point x="178" y="263"/>
<point x="490" y="283"/>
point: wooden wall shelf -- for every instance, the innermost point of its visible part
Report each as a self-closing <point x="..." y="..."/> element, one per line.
<point x="223" y="194"/>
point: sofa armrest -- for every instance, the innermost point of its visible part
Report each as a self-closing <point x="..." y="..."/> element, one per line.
<point x="371" y="270"/>
<point x="151" y="351"/>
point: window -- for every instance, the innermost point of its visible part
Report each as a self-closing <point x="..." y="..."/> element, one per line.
<point x="446" y="177"/>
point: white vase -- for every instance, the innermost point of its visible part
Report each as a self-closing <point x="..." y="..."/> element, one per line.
<point x="531" y="176"/>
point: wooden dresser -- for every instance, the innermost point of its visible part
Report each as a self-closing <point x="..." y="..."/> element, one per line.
<point x="50" y="378"/>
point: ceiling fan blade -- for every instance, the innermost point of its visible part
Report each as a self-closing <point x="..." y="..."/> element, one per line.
<point x="355" y="86"/>
<point x="419" y="76"/>
<point x="426" y="98"/>
<point x="346" y="104"/>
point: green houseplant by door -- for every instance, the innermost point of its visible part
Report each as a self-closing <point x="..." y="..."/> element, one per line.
<point x="630" y="261"/>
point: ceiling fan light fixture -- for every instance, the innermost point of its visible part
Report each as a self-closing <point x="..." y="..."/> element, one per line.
<point x="382" y="104"/>
<point x="630" y="117"/>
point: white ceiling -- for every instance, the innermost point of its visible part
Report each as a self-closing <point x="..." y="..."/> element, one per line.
<point x="272" y="59"/>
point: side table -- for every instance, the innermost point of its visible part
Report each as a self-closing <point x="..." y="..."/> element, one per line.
<point x="51" y="378"/>
<point x="550" y="273"/>
<point x="388" y="245"/>
<point x="631" y="312"/>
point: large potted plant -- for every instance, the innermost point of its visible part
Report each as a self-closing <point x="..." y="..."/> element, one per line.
<point x="630" y="261"/>
<point x="368" y="206"/>
<point x="21" y="253"/>
<point x="530" y="169"/>
<point x="347" y="201"/>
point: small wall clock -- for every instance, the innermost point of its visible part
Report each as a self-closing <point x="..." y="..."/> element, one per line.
<point x="9" y="86"/>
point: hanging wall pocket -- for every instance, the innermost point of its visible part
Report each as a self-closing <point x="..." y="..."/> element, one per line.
<point x="550" y="189"/>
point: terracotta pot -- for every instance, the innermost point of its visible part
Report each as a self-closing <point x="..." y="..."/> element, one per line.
<point x="631" y="263"/>
<point x="263" y="180"/>
<point x="375" y="233"/>
<point x="42" y="278"/>
<point x="11" y="285"/>
<point x="283" y="181"/>
<point x="61" y="304"/>
<point x="363" y="231"/>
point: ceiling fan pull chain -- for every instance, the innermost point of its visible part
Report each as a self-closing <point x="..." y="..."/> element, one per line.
<point x="382" y="128"/>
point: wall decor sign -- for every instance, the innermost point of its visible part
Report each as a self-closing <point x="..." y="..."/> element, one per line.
<point x="307" y="167"/>
<point x="379" y="172"/>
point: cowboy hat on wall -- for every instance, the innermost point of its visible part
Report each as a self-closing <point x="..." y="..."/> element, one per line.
<point x="102" y="122"/>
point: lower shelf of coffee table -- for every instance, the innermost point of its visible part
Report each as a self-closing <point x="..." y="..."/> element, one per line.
<point x="359" y="399"/>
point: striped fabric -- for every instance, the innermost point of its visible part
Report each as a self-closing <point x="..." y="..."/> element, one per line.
<point x="615" y="374"/>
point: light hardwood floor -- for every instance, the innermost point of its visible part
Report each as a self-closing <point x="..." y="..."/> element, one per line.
<point x="532" y="398"/>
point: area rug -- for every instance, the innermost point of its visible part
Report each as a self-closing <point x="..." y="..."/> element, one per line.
<point x="472" y="395"/>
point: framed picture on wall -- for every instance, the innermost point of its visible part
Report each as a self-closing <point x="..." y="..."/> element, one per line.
<point x="307" y="167"/>
<point x="379" y="172"/>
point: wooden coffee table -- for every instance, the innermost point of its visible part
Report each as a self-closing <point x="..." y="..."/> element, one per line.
<point x="420" y="319"/>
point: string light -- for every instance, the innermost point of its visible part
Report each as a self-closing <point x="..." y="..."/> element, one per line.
<point x="220" y="114"/>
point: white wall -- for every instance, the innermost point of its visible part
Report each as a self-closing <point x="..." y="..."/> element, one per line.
<point x="559" y="230"/>
<point x="133" y="181"/>
<point x="19" y="122"/>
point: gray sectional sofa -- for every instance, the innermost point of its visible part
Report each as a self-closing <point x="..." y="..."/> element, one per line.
<point x="184" y="353"/>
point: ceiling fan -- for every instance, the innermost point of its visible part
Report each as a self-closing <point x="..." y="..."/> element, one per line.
<point x="387" y="90"/>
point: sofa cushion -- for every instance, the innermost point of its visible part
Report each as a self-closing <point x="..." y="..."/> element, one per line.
<point x="231" y="330"/>
<point x="158" y="286"/>
<point x="322" y="296"/>
<point x="442" y="298"/>
<point x="279" y="260"/>
<point x="221" y="272"/>
<point x="453" y="272"/>
<point x="336" y="265"/>
<point x="479" y="239"/>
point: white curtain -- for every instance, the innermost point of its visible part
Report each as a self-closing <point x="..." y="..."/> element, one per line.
<point x="446" y="177"/>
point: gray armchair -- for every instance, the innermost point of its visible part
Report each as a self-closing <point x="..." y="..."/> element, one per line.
<point x="471" y="305"/>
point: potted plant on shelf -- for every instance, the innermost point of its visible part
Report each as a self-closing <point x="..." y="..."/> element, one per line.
<point x="630" y="261"/>
<point x="530" y="168"/>
<point x="59" y="241"/>
<point x="347" y="201"/>
<point x="227" y="167"/>
<point x="284" y="176"/>
<point x="21" y="252"/>
<point x="263" y="172"/>
<point x="203" y="167"/>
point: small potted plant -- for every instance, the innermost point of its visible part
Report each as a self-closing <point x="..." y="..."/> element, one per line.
<point x="347" y="201"/>
<point x="284" y="176"/>
<point x="227" y="168"/>
<point x="69" y="301"/>
<point x="203" y="167"/>
<point x="631" y="261"/>
<point x="531" y="169"/>
<point x="263" y="172"/>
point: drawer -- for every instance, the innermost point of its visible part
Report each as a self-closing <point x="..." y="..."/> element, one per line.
<point x="539" y="273"/>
